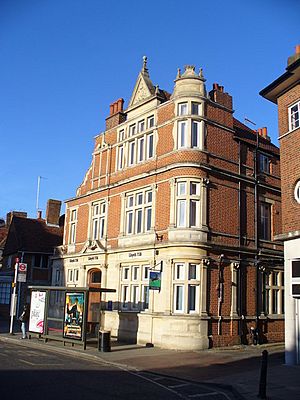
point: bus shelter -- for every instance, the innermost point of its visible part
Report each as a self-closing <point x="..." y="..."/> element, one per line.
<point x="60" y="313"/>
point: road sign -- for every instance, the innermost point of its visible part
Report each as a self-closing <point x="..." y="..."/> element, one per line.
<point x="22" y="267"/>
<point x="21" y="277"/>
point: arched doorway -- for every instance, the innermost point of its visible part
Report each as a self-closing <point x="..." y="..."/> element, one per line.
<point x="94" y="282"/>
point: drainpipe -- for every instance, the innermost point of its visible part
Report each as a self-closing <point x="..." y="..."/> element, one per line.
<point x="220" y="293"/>
<point x="256" y="241"/>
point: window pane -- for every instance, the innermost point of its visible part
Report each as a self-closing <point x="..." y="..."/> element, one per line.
<point x="193" y="212"/>
<point x="181" y="214"/>
<point x="130" y="201"/>
<point x="178" y="298"/>
<point x="195" y="108"/>
<point x="139" y="198"/>
<point x="151" y="121"/>
<point x="148" y="218"/>
<point x="102" y="221"/>
<point x="139" y="221"/>
<point x="192" y="298"/>
<point x="179" y="272"/>
<point x="145" y="297"/>
<point x="192" y="271"/>
<point x="141" y="149"/>
<point x="135" y="296"/>
<point x="129" y="222"/>
<point x="195" y="134"/>
<point x="131" y="153"/>
<point x="181" y="188"/>
<point x="150" y="146"/>
<point x="182" y="133"/>
<point x="182" y="109"/>
<point x="194" y="188"/>
<point x="95" y="229"/>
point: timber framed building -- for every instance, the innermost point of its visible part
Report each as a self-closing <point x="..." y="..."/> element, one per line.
<point x="178" y="186"/>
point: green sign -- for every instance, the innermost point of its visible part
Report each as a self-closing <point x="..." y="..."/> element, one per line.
<point x="155" y="280"/>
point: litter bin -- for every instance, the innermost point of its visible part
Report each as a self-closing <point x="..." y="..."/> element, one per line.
<point x="104" y="341"/>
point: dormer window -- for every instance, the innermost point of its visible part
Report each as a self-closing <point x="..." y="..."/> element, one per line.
<point x="182" y="108"/>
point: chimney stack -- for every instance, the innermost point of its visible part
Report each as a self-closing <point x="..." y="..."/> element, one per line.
<point x="295" y="56"/>
<point x="218" y="95"/>
<point x="53" y="212"/>
<point x="116" y="114"/>
<point x="11" y="214"/>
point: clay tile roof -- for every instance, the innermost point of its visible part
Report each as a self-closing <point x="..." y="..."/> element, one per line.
<point x="32" y="235"/>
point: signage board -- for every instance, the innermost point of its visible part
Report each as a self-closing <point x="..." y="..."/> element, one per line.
<point x="21" y="277"/>
<point x="154" y="280"/>
<point x="74" y="311"/>
<point x="37" y="311"/>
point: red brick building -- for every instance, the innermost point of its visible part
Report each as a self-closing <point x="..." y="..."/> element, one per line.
<point x="179" y="187"/>
<point x="285" y="92"/>
<point x="32" y="241"/>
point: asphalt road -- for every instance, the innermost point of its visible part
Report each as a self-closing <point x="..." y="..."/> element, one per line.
<point x="29" y="373"/>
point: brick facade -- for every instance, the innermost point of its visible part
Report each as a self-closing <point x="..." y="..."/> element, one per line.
<point x="198" y="166"/>
<point x="285" y="92"/>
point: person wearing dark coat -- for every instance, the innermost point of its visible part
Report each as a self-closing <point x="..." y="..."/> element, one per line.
<point x="24" y="318"/>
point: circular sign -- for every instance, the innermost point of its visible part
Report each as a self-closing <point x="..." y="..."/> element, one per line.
<point x="22" y="267"/>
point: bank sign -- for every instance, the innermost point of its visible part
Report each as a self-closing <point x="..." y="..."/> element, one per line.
<point x="154" y="280"/>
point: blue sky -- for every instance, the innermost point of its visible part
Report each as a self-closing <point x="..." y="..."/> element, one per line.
<point x="64" y="61"/>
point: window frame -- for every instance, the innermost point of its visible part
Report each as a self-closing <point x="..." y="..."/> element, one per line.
<point x="185" y="300"/>
<point x="294" y="124"/>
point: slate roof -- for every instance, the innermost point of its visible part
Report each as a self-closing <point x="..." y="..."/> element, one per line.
<point x="32" y="236"/>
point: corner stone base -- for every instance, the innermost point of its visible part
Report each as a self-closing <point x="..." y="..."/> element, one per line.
<point x="173" y="331"/>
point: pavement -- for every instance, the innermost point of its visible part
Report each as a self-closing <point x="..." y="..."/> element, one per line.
<point x="236" y="369"/>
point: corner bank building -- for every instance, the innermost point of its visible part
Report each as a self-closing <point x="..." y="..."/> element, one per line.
<point x="179" y="187"/>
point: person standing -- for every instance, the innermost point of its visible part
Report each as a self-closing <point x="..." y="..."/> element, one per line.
<point x="24" y="317"/>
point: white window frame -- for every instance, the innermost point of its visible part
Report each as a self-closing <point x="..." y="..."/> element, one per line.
<point x="150" y="122"/>
<point x="138" y="206"/>
<point x="98" y="222"/>
<point x="134" y="293"/>
<point x="185" y="198"/>
<point x="73" y="225"/>
<point x="294" y="116"/>
<point x="120" y="157"/>
<point x="182" y="134"/>
<point x="297" y="191"/>
<point x="182" y="284"/>
<point x="274" y="291"/>
<point x="141" y="126"/>
<point x="183" y="108"/>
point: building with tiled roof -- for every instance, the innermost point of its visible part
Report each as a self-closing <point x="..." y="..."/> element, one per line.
<point x="32" y="241"/>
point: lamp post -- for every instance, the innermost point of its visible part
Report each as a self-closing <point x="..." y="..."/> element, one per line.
<point x="13" y="299"/>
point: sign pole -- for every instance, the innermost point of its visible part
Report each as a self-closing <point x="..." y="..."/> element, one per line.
<point x="13" y="299"/>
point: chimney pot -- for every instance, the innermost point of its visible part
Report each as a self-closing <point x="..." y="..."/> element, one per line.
<point x="39" y="214"/>
<point x="264" y="132"/>
<point x="297" y="49"/>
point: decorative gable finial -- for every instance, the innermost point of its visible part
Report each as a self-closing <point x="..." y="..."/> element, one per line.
<point x="201" y="73"/>
<point x="178" y="73"/>
<point x="144" y="69"/>
<point x="156" y="89"/>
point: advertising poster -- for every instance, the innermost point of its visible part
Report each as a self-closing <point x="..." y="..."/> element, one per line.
<point x="37" y="311"/>
<point x="155" y="280"/>
<point x="74" y="305"/>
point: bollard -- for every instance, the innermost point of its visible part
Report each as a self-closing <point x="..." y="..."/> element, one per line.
<point x="262" y="393"/>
